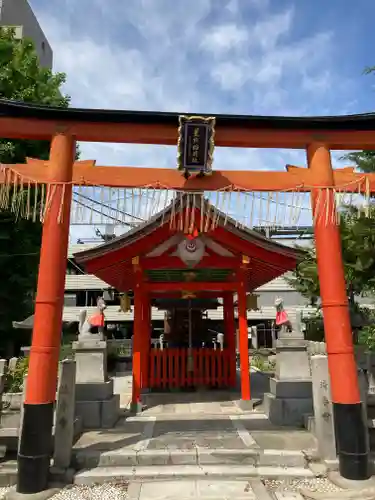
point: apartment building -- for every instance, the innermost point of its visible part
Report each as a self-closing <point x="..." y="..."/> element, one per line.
<point x="19" y="14"/>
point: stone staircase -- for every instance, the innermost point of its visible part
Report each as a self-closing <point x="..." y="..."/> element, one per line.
<point x="181" y="447"/>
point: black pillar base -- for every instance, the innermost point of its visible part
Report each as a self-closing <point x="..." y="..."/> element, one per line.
<point x="352" y="441"/>
<point x="35" y="448"/>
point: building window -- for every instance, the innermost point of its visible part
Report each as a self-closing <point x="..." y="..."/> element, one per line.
<point x="43" y="46"/>
<point x="70" y="300"/>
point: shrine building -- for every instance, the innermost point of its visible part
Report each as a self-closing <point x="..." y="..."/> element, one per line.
<point x="182" y="261"/>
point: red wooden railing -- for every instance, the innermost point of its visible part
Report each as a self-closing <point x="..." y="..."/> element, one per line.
<point x="169" y="368"/>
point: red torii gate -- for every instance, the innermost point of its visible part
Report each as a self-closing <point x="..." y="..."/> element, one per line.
<point x="66" y="126"/>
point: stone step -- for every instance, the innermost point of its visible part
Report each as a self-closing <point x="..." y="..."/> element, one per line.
<point x="100" y="475"/>
<point x="196" y="416"/>
<point x="86" y="459"/>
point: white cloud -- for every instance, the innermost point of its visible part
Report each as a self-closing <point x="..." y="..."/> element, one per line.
<point x="165" y="55"/>
<point x="225" y="37"/>
<point x="267" y="32"/>
<point x="234" y="6"/>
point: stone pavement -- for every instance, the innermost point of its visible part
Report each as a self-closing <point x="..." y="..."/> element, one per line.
<point x="201" y="434"/>
<point x="252" y="489"/>
<point x="196" y="433"/>
<point x="176" y="447"/>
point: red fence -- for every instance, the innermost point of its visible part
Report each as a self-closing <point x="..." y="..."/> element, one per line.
<point x="169" y="368"/>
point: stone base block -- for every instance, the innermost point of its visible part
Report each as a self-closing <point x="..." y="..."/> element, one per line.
<point x="246" y="405"/>
<point x="292" y="362"/>
<point x="136" y="408"/>
<point x="291" y="388"/>
<point x="61" y="476"/>
<point x="99" y="414"/>
<point x="10" y="419"/>
<point x="94" y="391"/>
<point x="91" y="361"/>
<point x="110" y="411"/>
<point x="287" y="411"/>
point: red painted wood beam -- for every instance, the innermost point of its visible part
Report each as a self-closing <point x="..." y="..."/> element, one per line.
<point x="191" y="286"/>
<point x="178" y="295"/>
<point x="13" y="127"/>
<point x="231" y="241"/>
<point x="116" y="256"/>
<point x="168" y="178"/>
<point x="166" y="262"/>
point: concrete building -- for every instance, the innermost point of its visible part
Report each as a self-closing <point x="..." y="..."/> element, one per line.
<point x="19" y="14"/>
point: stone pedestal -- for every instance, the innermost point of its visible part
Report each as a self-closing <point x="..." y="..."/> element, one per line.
<point x="91" y="360"/>
<point x="96" y="404"/>
<point x="290" y="396"/>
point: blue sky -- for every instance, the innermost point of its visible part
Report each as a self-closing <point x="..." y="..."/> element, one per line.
<point x="275" y="57"/>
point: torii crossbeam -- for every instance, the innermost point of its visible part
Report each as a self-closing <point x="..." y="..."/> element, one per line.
<point x="87" y="173"/>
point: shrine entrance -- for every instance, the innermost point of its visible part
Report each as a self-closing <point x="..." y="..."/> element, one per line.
<point x="44" y="190"/>
<point x="178" y="263"/>
<point x="194" y="356"/>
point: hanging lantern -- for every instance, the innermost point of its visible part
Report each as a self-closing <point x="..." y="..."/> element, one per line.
<point x="195" y="147"/>
<point x="252" y="302"/>
<point x="125" y="303"/>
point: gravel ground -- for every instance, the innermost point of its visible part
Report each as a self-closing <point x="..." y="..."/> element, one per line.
<point x="322" y="485"/>
<point x="98" y="492"/>
<point x="3" y="491"/>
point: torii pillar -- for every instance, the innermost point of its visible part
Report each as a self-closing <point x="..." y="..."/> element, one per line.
<point x="350" y="427"/>
<point x="243" y="343"/>
<point x="230" y="334"/>
<point x="36" y="433"/>
<point x="136" y="405"/>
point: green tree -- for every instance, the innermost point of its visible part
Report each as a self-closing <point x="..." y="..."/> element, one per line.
<point x="358" y="252"/>
<point x="22" y="79"/>
<point x="364" y="160"/>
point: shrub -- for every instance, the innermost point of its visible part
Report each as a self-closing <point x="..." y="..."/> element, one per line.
<point x="14" y="379"/>
<point x="366" y="337"/>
